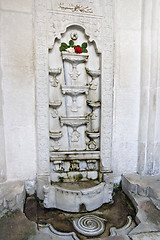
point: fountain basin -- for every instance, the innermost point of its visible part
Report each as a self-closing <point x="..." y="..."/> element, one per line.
<point x="71" y="200"/>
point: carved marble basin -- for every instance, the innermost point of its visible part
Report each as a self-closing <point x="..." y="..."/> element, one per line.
<point x="93" y="134"/>
<point x="55" y="71"/>
<point x="93" y="73"/>
<point x="55" y="135"/>
<point x="55" y="104"/>
<point x="94" y="104"/>
<point x="74" y="57"/>
<point x="70" y="200"/>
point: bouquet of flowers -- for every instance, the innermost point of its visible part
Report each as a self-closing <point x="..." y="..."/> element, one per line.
<point x="72" y="48"/>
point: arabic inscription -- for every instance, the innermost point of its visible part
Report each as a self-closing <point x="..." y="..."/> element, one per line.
<point x="75" y="8"/>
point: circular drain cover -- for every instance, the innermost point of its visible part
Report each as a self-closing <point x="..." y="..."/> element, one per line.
<point x="89" y="225"/>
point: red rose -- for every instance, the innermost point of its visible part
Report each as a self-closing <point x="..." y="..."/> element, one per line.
<point x="78" y="50"/>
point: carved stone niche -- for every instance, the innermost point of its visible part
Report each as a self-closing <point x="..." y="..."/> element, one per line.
<point x="83" y="80"/>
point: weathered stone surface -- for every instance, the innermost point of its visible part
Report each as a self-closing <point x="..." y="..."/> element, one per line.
<point x="43" y="236"/>
<point x="15" y="226"/>
<point x="113" y="238"/>
<point x="12" y="196"/>
<point x="143" y="185"/>
<point x="125" y="230"/>
<point x="71" y="200"/>
<point x="146" y="236"/>
<point x="139" y="188"/>
<point x="30" y="186"/>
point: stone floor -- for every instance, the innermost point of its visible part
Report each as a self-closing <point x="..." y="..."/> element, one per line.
<point x="115" y="214"/>
<point x="144" y="193"/>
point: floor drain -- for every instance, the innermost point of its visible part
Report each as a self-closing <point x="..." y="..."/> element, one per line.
<point x="89" y="225"/>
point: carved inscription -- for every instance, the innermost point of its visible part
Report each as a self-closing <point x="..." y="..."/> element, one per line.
<point x="75" y="8"/>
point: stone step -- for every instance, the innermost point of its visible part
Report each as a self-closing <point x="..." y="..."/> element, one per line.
<point x="140" y="189"/>
<point x="147" y="186"/>
<point x="12" y="196"/>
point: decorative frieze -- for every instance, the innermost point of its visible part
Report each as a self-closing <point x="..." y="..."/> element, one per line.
<point x="74" y="122"/>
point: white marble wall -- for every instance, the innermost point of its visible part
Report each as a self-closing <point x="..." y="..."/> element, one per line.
<point x="2" y="142"/>
<point x="149" y="131"/>
<point x="127" y="37"/>
<point x="18" y="86"/>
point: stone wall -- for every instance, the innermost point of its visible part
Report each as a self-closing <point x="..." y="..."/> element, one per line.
<point x="149" y="129"/>
<point x="18" y="87"/>
<point x="127" y="63"/>
<point x="2" y="142"/>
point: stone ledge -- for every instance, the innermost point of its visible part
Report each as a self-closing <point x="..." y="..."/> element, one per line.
<point x="138" y="189"/>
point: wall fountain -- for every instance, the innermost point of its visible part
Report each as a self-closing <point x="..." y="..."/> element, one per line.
<point x="74" y="104"/>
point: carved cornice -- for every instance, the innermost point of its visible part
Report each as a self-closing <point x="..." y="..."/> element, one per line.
<point x="74" y="122"/>
<point x="82" y="155"/>
<point x="75" y="90"/>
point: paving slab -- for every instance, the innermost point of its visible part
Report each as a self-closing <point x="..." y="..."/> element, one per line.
<point x="15" y="226"/>
<point x="43" y="236"/>
<point x="113" y="238"/>
<point x="146" y="236"/>
<point x="145" y="185"/>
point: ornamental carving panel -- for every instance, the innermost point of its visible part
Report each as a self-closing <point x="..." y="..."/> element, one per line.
<point x="74" y="93"/>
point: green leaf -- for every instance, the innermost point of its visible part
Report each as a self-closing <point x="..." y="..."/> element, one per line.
<point x="71" y="43"/>
<point x="84" y="45"/>
<point x="84" y="50"/>
<point x="63" y="44"/>
<point x="61" y="48"/>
